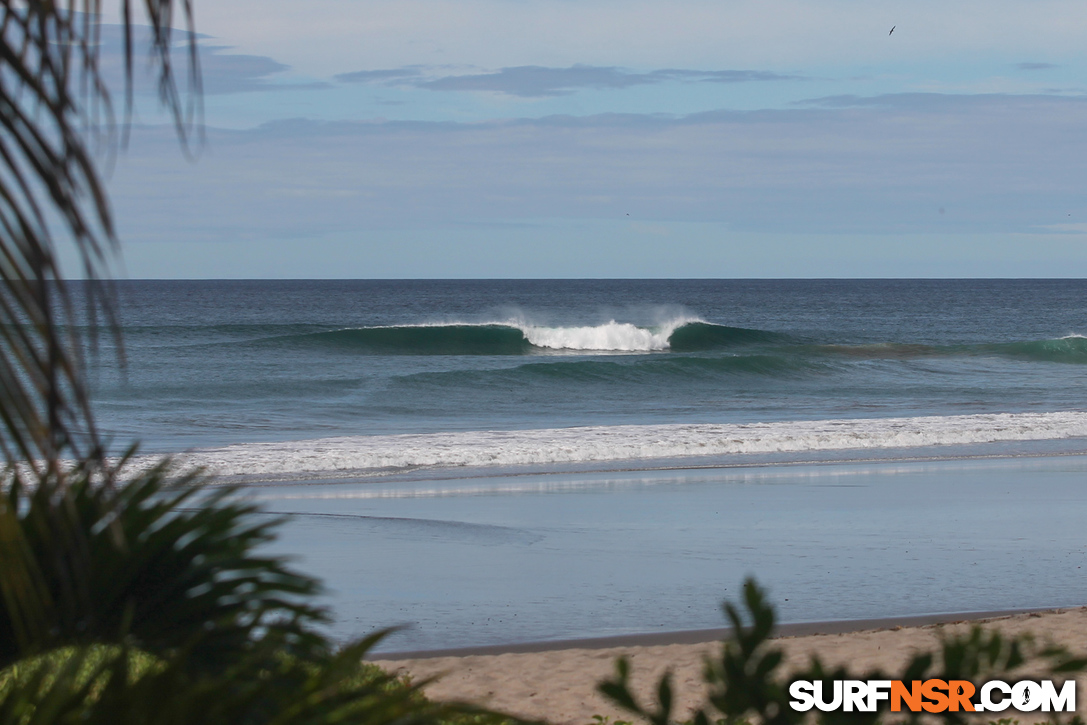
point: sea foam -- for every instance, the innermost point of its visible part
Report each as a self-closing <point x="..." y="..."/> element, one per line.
<point x="617" y="336"/>
<point x="360" y="455"/>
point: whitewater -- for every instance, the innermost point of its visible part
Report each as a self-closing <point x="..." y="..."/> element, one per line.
<point x="367" y="455"/>
<point x="612" y="335"/>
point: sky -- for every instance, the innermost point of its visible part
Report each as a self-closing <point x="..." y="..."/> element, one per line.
<point x="598" y="138"/>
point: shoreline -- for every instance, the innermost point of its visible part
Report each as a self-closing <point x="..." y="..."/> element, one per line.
<point x="707" y="636"/>
<point x="559" y="685"/>
<point x="695" y="464"/>
<point x="441" y="474"/>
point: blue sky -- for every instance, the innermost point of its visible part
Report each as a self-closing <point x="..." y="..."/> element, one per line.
<point x="597" y="138"/>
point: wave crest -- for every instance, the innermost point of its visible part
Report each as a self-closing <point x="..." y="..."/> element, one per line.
<point x="490" y="339"/>
<point x="1068" y="349"/>
<point x="520" y="338"/>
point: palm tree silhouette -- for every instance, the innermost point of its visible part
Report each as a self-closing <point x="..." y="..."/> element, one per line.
<point x="97" y="563"/>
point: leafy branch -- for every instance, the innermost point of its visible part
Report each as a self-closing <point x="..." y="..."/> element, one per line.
<point x="748" y="683"/>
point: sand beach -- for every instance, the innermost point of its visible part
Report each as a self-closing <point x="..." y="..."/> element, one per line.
<point x="558" y="684"/>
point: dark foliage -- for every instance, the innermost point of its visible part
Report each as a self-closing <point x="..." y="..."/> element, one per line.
<point x="116" y="686"/>
<point x="747" y="682"/>
<point x="130" y="563"/>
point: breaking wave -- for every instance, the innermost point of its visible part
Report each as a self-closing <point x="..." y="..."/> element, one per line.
<point x="1068" y="349"/>
<point x="679" y="335"/>
<point x="517" y="338"/>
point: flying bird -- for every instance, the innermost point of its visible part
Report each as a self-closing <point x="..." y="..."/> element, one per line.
<point x="892" y="29"/>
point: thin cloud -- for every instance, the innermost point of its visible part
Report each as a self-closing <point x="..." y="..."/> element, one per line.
<point x="920" y="101"/>
<point x="736" y="76"/>
<point x="537" y="81"/>
<point x="233" y="73"/>
<point x="379" y="76"/>
<point x="532" y="81"/>
<point x="1036" y="66"/>
<point x="996" y="163"/>
<point x="221" y="71"/>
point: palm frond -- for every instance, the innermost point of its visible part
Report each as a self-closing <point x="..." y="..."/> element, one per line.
<point x="121" y="686"/>
<point x="56" y="118"/>
<point x="159" y="561"/>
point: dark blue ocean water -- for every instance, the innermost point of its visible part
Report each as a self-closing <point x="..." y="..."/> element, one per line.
<point x="233" y="362"/>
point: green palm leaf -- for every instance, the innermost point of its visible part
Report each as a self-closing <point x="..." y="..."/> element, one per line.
<point x="119" y="686"/>
<point x="163" y="565"/>
<point x="56" y="121"/>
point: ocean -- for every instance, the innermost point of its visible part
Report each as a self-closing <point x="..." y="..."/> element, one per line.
<point x="561" y="418"/>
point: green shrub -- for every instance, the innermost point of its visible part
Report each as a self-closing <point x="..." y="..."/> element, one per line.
<point x="747" y="682"/>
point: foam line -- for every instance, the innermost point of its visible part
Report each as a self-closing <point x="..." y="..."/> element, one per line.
<point x="362" y="454"/>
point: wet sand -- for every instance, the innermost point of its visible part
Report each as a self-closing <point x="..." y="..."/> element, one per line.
<point x="557" y="682"/>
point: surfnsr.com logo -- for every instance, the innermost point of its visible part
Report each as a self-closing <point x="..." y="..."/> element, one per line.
<point x="932" y="696"/>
